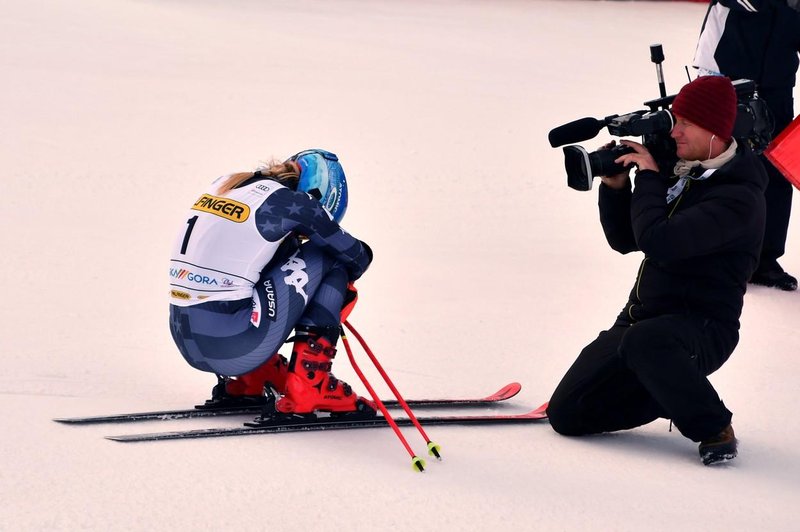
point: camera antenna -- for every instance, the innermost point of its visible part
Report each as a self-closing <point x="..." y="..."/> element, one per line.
<point x="657" y="57"/>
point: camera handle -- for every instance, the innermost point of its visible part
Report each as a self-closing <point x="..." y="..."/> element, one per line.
<point x="657" y="57"/>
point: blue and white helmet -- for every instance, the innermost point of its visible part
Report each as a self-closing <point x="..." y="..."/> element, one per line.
<point x="323" y="177"/>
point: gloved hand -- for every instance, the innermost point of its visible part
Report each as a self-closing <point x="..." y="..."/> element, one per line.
<point x="794" y="4"/>
<point x="367" y="249"/>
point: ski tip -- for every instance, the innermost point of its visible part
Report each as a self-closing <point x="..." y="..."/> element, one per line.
<point x="70" y="420"/>
<point x="506" y="392"/>
<point x="137" y="437"/>
<point x="541" y="412"/>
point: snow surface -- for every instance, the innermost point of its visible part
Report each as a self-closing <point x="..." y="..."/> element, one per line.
<point x="488" y="269"/>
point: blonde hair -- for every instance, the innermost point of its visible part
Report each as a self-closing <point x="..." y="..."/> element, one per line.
<point x="284" y="173"/>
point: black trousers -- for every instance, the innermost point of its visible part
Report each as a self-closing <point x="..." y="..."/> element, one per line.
<point x="779" y="190"/>
<point x="632" y="374"/>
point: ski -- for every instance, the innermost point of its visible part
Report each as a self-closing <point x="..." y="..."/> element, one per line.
<point x="506" y="392"/>
<point x="333" y="423"/>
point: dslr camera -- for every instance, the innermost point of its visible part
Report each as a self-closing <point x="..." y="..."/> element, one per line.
<point x="754" y="125"/>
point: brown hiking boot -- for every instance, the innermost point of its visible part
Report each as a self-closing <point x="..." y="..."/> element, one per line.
<point x="720" y="448"/>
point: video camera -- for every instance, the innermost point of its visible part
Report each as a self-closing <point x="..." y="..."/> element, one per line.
<point x="754" y="125"/>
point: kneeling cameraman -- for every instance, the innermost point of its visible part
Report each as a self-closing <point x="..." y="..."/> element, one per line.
<point x="701" y="236"/>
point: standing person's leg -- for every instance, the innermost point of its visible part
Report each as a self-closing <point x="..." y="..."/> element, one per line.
<point x="599" y="393"/>
<point x="778" y="197"/>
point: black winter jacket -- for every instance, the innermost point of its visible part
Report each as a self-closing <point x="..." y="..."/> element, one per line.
<point x="700" y="250"/>
<point x="757" y="39"/>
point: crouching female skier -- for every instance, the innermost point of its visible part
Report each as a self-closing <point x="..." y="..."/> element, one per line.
<point x="260" y="254"/>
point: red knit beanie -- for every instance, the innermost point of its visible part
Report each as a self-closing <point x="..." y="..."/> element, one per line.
<point x="709" y="102"/>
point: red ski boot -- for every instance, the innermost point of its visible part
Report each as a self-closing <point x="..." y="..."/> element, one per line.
<point x="273" y="371"/>
<point x="310" y="386"/>
<point x="248" y="389"/>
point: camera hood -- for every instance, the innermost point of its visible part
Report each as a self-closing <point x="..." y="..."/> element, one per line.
<point x="579" y="168"/>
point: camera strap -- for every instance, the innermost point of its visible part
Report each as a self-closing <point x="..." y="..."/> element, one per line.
<point x="675" y="190"/>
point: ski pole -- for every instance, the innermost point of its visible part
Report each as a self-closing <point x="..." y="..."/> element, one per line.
<point x="433" y="448"/>
<point x="416" y="462"/>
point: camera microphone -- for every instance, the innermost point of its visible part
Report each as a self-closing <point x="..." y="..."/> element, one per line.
<point x="576" y="131"/>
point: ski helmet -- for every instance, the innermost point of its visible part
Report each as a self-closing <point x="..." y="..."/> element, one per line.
<point x="323" y="177"/>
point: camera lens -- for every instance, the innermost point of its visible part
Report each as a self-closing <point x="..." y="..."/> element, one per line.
<point x="602" y="161"/>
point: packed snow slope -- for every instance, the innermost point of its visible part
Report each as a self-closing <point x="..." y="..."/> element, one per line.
<point x="488" y="269"/>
